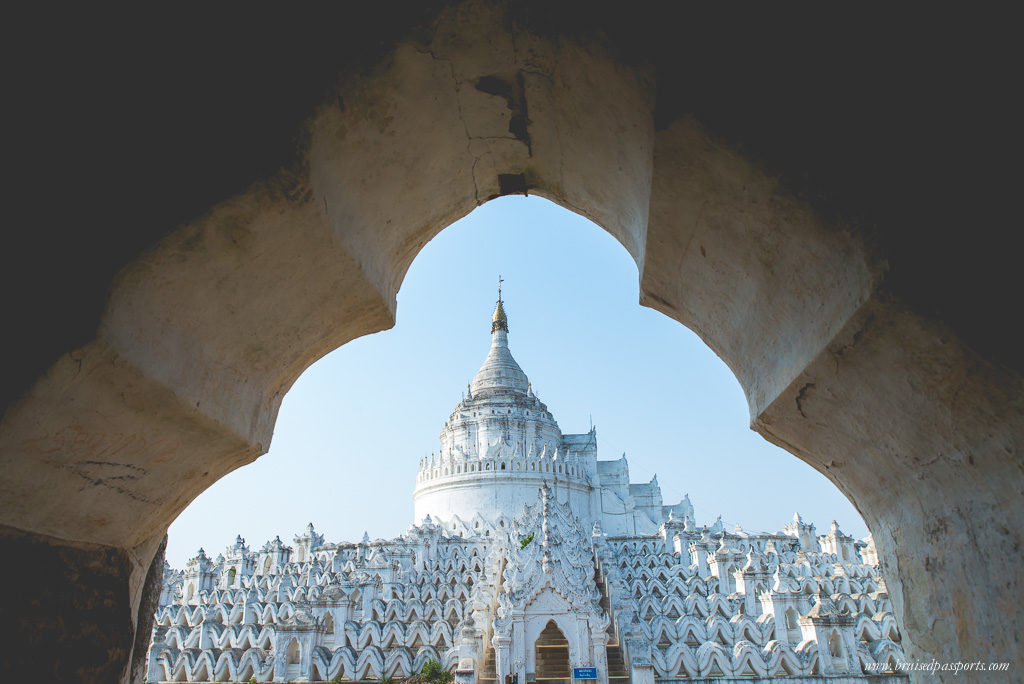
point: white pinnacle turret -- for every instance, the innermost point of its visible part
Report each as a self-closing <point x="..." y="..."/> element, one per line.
<point x="500" y="372"/>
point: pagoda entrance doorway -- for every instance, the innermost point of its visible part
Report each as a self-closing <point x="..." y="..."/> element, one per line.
<point x="551" y="655"/>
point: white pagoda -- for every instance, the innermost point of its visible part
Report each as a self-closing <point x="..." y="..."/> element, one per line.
<point x="532" y="560"/>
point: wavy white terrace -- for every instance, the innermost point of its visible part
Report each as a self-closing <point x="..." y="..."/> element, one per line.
<point x="530" y="558"/>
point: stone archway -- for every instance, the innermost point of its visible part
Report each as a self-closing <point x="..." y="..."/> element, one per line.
<point x="293" y="660"/>
<point x="551" y="654"/>
<point x="203" y="333"/>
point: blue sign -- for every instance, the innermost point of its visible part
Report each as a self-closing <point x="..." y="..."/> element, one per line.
<point x="584" y="673"/>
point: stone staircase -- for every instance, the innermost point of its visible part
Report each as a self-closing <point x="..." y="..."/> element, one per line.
<point x="554" y="668"/>
<point x="552" y="655"/>
<point x="616" y="663"/>
<point x="488" y="671"/>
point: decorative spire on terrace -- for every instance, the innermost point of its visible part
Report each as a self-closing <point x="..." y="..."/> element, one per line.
<point x="499" y="321"/>
<point x="499" y="371"/>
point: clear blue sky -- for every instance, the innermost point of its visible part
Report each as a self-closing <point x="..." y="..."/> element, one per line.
<point x="353" y="428"/>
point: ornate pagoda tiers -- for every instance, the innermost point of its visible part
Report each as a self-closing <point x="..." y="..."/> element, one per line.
<point x="531" y="559"/>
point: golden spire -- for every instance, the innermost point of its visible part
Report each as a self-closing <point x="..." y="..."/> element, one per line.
<point x="499" y="321"/>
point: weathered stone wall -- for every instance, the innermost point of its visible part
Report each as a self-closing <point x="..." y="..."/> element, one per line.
<point x="922" y="435"/>
<point x="66" y="613"/>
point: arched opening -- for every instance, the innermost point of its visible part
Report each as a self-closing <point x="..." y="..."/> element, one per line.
<point x="231" y="577"/>
<point x="551" y="655"/>
<point x="835" y="647"/>
<point x="328" y="641"/>
<point x="793" y="633"/>
<point x="293" y="657"/>
<point x="792" y="360"/>
<point x="730" y="578"/>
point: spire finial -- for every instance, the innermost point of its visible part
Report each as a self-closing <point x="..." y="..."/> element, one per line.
<point x="499" y="321"/>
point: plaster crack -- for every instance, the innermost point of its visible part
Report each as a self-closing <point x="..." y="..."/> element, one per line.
<point x="538" y="72"/>
<point x="519" y="123"/>
<point x="801" y="397"/>
<point x="476" y="188"/>
<point x="462" y="118"/>
<point x="837" y="355"/>
<point x="493" y="137"/>
<point x="465" y="128"/>
<point x="111" y="482"/>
